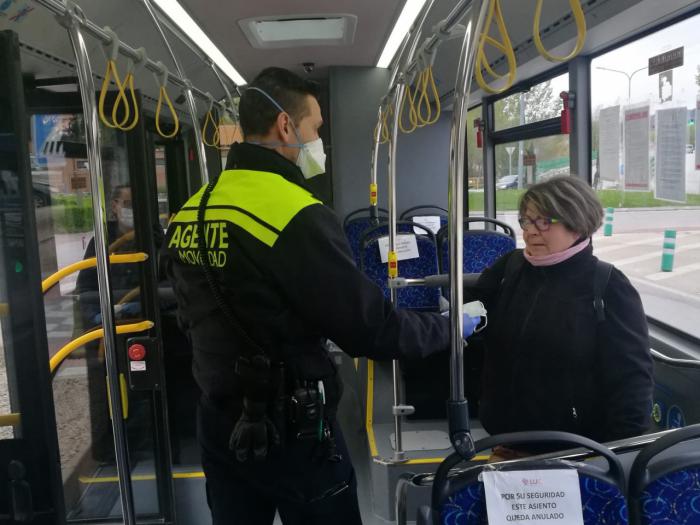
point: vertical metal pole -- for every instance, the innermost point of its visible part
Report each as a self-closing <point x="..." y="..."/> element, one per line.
<point x="223" y="85"/>
<point x="93" y="142"/>
<point x="374" y="204"/>
<point x="201" y="152"/>
<point x="399" y="454"/>
<point x="458" y="412"/>
<point x="409" y="49"/>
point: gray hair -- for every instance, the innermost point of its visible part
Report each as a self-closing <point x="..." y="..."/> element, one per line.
<point x="567" y="199"/>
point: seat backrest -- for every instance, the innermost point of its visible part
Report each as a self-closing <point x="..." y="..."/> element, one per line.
<point x="414" y="214"/>
<point x="415" y="297"/>
<point x="481" y="248"/>
<point x="461" y="498"/>
<point x="667" y="490"/>
<point x="356" y="223"/>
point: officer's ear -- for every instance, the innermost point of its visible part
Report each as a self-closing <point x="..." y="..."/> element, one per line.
<point x="284" y="127"/>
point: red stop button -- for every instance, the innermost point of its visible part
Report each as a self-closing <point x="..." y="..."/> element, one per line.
<point x="137" y="352"/>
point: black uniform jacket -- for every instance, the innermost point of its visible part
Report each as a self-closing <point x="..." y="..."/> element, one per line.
<point x="291" y="296"/>
<point x="550" y="365"/>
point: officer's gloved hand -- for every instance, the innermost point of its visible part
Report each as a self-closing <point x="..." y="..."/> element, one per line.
<point x="471" y="317"/>
<point x="254" y="434"/>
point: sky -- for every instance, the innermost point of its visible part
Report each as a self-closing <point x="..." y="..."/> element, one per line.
<point x="610" y="88"/>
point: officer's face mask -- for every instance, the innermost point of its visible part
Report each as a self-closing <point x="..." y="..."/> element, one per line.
<point x="311" y="159"/>
<point x="476" y="309"/>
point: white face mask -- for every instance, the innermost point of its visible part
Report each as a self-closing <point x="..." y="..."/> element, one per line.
<point x="126" y="217"/>
<point x="312" y="159"/>
<point x="476" y="309"/>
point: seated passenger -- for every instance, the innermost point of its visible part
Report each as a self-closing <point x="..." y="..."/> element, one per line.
<point x="551" y="362"/>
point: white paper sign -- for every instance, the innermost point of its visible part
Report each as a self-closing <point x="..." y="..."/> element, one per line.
<point x="432" y="222"/>
<point x="671" y="130"/>
<point x="637" y="148"/>
<point x="137" y="366"/>
<point x="406" y="247"/>
<point x="535" y="497"/>
<point x="609" y="144"/>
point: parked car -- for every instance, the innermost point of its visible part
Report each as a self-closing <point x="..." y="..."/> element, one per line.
<point x="507" y="182"/>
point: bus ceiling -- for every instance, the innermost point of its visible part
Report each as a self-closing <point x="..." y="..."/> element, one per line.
<point x="47" y="52"/>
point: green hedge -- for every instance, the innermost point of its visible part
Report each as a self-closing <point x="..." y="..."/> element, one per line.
<point x="72" y="215"/>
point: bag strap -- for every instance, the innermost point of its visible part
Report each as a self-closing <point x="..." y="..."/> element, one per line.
<point x="600" y="282"/>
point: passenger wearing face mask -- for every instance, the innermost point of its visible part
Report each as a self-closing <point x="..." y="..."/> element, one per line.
<point x="263" y="274"/>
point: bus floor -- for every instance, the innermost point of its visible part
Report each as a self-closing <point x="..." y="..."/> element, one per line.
<point x="100" y="499"/>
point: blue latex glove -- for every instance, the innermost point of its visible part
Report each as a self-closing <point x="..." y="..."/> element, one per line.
<point x="469" y="324"/>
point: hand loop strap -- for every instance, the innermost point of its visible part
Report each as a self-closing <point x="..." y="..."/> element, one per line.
<point x="214" y="143"/>
<point x="131" y="67"/>
<point x="161" y="80"/>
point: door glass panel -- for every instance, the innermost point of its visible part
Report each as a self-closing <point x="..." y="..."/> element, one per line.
<point x="9" y="405"/>
<point x="162" y="185"/>
<point x="63" y="208"/>
<point x="521" y="164"/>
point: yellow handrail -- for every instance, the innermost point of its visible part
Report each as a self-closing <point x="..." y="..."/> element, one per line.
<point x="122" y="258"/>
<point x="76" y="343"/>
<point x="9" y="420"/>
<point x="128" y="236"/>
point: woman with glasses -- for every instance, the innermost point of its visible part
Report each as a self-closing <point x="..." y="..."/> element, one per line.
<point x="554" y="360"/>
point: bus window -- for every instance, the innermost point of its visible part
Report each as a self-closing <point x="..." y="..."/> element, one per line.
<point x="540" y="102"/>
<point x="475" y="165"/>
<point x="647" y="171"/>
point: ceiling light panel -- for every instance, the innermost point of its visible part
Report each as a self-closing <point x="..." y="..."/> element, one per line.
<point x="173" y="10"/>
<point x="295" y="31"/>
<point x="408" y="15"/>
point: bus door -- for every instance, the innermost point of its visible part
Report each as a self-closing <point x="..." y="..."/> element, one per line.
<point x="63" y="236"/>
<point x="30" y="477"/>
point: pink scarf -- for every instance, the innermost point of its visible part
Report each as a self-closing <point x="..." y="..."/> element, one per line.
<point x="556" y="258"/>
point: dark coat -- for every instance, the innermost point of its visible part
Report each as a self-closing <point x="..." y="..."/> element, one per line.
<point x="550" y="365"/>
<point x="292" y="296"/>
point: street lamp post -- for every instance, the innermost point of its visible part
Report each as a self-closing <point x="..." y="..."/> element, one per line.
<point x="628" y="75"/>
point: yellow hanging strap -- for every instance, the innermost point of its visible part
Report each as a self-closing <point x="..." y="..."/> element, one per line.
<point x="580" y="20"/>
<point x="372" y="194"/>
<point x="383" y="127"/>
<point x="408" y="99"/>
<point x="129" y="83"/>
<point x="214" y="142"/>
<point x="505" y="46"/>
<point x="428" y="90"/>
<point x="163" y="95"/>
<point x="111" y="74"/>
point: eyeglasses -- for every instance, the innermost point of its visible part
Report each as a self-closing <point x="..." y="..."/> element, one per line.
<point x="541" y="223"/>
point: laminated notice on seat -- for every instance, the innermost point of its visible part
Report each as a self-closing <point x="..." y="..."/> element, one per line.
<point x="535" y="497"/>
<point x="406" y="247"/>
<point x="432" y="222"/>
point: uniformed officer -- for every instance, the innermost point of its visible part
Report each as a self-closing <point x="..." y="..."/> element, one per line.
<point x="263" y="275"/>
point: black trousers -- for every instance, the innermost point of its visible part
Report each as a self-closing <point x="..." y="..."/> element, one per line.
<point x="304" y="488"/>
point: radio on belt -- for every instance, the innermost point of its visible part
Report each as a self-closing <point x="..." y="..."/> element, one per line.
<point x="143" y="363"/>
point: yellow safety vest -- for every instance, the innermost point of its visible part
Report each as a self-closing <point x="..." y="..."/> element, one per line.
<point x="259" y="202"/>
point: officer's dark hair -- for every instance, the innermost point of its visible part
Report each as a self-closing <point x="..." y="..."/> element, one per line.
<point x="258" y="113"/>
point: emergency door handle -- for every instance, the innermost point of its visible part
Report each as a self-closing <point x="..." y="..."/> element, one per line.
<point x="20" y="494"/>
